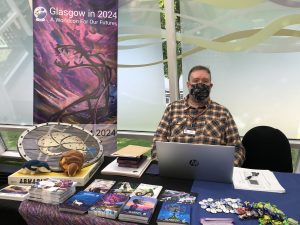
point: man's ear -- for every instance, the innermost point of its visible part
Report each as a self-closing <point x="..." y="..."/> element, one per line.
<point x="189" y="86"/>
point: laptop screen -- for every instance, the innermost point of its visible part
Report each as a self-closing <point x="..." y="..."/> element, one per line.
<point x="196" y="161"/>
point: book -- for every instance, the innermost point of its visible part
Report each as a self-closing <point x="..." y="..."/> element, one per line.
<point x="109" y="206"/>
<point x="15" y="192"/>
<point x="131" y="163"/>
<point x="124" y="188"/>
<point x="130" y="160"/>
<point x="138" y="209"/>
<point x="131" y="151"/>
<point x="100" y="186"/>
<point x="81" y="178"/>
<point x="128" y="165"/>
<point x="178" y="196"/>
<point x="80" y="202"/>
<point x="147" y="190"/>
<point x="174" y="213"/>
<point x="52" y="200"/>
<point x="256" y="180"/>
<point x="114" y="169"/>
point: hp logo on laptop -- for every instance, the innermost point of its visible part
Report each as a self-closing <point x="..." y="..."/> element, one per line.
<point x="194" y="162"/>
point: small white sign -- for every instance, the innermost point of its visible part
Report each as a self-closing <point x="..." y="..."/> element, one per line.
<point x="187" y="131"/>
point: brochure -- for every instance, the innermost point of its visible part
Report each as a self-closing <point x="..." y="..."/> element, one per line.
<point x="256" y="180"/>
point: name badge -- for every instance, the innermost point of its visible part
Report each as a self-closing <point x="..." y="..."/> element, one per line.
<point x="187" y="131"/>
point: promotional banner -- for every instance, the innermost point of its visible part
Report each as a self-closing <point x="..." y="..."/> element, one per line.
<point x="75" y="65"/>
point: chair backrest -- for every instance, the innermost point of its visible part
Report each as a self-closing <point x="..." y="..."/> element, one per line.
<point x="267" y="148"/>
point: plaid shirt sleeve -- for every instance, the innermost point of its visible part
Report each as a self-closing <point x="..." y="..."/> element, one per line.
<point x="162" y="132"/>
<point x="233" y="138"/>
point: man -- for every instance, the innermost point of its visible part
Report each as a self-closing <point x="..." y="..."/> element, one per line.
<point x="197" y="119"/>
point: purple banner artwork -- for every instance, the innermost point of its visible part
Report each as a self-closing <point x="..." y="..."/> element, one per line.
<point x="75" y="63"/>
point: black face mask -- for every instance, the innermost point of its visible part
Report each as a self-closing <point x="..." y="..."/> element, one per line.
<point x="200" y="91"/>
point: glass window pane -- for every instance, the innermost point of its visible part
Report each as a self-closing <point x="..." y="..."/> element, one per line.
<point x="16" y="62"/>
<point x="141" y="90"/>
<point x="252" y="49"/>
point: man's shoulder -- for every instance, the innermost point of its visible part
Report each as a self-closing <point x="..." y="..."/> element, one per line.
<point x="177" y="103"/>
<point x="217" y="106"/>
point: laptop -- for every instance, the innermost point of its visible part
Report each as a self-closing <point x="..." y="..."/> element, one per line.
<point x="196" y="161"/>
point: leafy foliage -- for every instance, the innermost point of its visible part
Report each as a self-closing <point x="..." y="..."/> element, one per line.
<point x="178" y="43"/>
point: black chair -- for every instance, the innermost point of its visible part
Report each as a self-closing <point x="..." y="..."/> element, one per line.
<point x="267" y="148"/>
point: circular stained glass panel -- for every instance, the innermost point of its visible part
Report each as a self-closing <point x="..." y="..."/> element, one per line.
<point x="47" y="141"/>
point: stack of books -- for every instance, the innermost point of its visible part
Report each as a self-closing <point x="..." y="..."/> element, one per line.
<point x="141" y="204"/>
<point x="52" y="191"/>
<point x="130" y="162"/>
<point x="81" y="178"/>
<point x="131" y="156"/>
<point x="131" y="151"/>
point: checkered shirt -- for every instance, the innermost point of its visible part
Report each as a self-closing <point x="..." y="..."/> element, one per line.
<point x="212" y="124"/>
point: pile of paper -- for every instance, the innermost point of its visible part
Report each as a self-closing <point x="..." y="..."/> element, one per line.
<point x="256" y="180"/>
